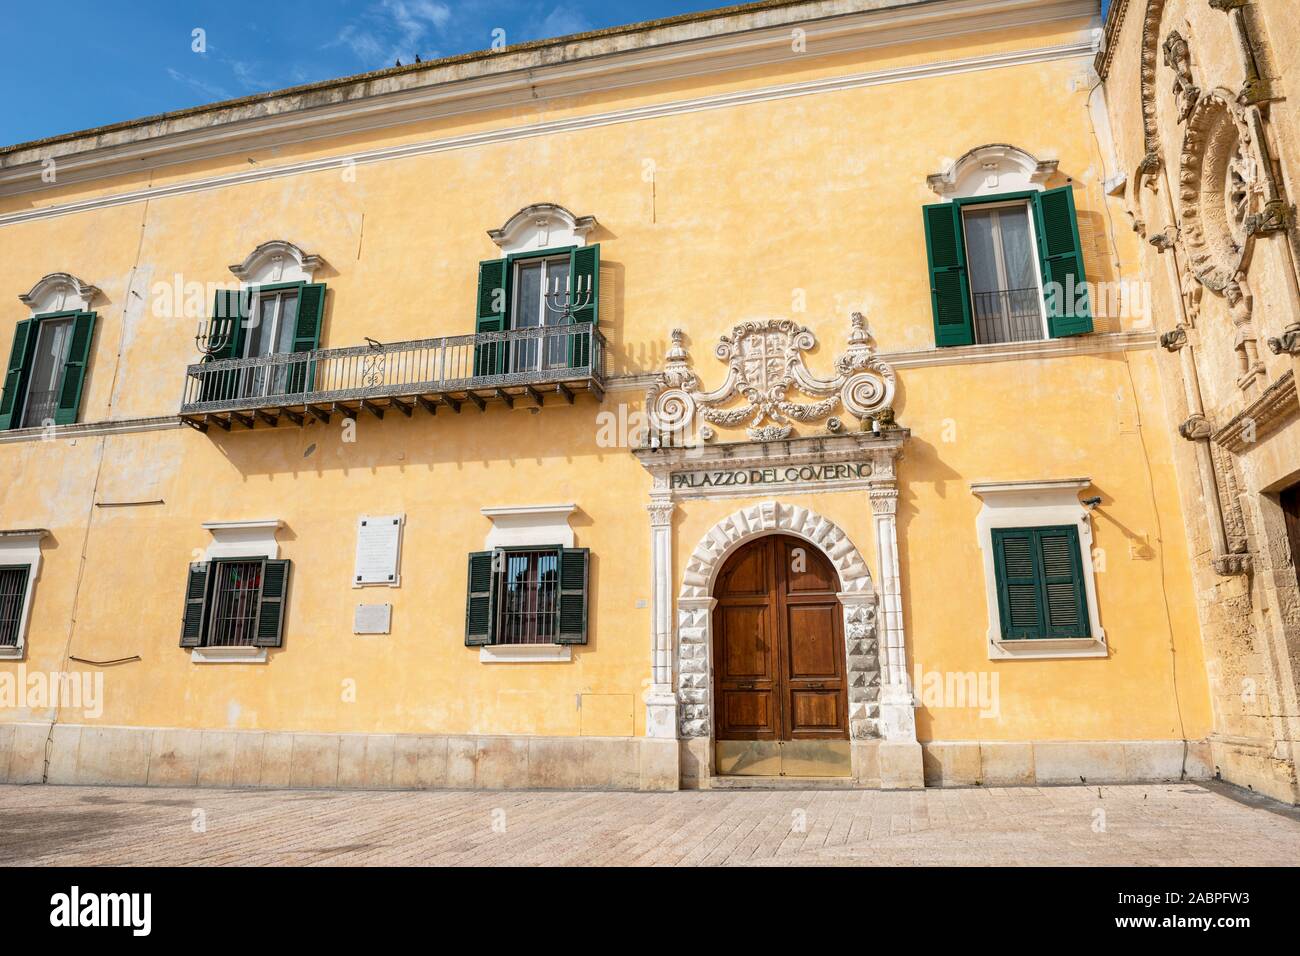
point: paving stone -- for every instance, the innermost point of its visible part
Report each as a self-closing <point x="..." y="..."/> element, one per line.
<point x="1169" y="824"/>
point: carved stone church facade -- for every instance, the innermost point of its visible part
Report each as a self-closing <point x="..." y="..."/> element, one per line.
<point x="1202" y="100"/>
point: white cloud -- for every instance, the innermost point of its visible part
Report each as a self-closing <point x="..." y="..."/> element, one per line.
<point x="394" y="29"/>
<point x="562" y="21"/>
<point x="207" y="89"/>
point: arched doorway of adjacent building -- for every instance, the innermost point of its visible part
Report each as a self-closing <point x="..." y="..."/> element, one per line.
<point x="780" y="689"/>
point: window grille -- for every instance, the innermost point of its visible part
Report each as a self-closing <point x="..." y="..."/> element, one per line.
<point x="13" y="589"/>
<point x="237" y="596"/>
<point x="527" y="607"/>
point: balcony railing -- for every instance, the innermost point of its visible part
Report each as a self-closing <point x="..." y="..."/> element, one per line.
<point x="526" y="364"/>
<point x="1009" y="315"/>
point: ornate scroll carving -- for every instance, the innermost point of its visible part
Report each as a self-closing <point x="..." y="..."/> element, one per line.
<point x="765" y="363"/>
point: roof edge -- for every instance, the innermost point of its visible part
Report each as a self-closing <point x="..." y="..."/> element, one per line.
<point x="809" y="9"/>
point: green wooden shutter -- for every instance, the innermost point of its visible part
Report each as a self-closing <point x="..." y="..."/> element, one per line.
<point x="949" y="285"/>
<point x="306" y="337"/>
<point x="229" y="310"/>
<point x="1040" y="583"/>
<point x="1062" y="573"/>
<point x="1019" y="593"/>
<point x="20" y="361"/>
<point x="480" y="601"/>
<point x="573" y="595"/>
<point x="74" y="368"/>
<point x="270" y="610"/>
<point x="491" y="315"/>
<point x="194" y="622"/>
<point x="1069" y="309"/>
<point x="584" y="267"/>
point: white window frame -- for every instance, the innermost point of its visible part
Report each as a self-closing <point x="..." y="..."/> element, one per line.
<point x="238" y="539"/>
<point x="528" y="526"/>
<point x="1037" y="504"/>
<point x="1033" y="258"/>
<point x="22" y="548"/>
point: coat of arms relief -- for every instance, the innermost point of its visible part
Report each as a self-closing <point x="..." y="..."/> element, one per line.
<point x="765" y="366"/>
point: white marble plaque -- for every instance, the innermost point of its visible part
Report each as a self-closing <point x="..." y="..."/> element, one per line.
<point x="372" y="619"/>
<point x="379" y="547"/>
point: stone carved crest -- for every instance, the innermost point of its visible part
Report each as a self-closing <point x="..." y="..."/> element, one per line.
<point x="765" y="364"/>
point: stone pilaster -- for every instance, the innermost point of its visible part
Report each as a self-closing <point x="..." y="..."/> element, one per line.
<point x="661" y="702"/>
<point x="901" y="766"/>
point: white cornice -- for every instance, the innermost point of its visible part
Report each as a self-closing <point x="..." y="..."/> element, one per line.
<point x="542" y="225"/>
<point x="1099" y="343"/>
<point x="92" y="429"/>
<point x="267" y="263"/>
<point x="1083" y="48"/>
<point x="259" y="524"/>
<point x="490" y="83"/>
<point x="1063" y="486"/>
<point x="1094" y="344"/>
<point x="528" y="510"/>
<point x="59" y="291"/>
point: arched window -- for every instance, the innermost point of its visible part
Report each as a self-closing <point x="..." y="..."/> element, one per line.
<point x="47" y="365"/>
<point x="1005" y="260"/>
<point x="277" y="310"/>
<point x="549" y="276"/>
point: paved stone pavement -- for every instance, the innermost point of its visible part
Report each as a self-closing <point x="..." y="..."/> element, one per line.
<point x="1173" y="824"/>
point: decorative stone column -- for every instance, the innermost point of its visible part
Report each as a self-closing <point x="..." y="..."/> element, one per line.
<point x="661" y="701"/>
<point x="900" y="754"/>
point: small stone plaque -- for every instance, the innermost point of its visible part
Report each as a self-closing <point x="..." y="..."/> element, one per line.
<point x="372" y="619"/>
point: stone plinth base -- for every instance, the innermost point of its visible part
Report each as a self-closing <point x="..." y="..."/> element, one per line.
<point x="152" y="756"/>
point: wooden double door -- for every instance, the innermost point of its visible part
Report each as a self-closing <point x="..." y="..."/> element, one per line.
<point x="778" y="648"/>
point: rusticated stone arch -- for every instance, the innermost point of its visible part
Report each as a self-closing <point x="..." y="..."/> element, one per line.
<point x="695" y="610"/>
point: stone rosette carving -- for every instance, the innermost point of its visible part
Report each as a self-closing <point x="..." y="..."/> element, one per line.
<point x="765" y="365"/>
<point x="1226" y="194"/>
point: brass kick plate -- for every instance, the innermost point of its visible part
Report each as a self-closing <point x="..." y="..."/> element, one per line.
<point x="784" y="758"/>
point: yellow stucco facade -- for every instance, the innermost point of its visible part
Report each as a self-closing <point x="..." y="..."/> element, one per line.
<point x="767" y="163"/>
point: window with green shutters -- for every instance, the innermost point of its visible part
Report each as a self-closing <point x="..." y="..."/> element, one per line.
<point x="46" y="372"/>
<point x="511" y="295"/>
<point x="1040" y="583"/>
<point x="235" y="602"/>
<point x="279" y="319"/>
<point x="527" y="596"/>
<point x="1006" y="268"/>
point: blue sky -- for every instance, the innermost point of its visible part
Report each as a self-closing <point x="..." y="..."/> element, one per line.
<point x="121" y="60"/>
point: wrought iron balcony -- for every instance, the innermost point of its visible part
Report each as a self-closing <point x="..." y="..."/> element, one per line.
<point x="522" y="364"/>
<point x="1009" y="315"/>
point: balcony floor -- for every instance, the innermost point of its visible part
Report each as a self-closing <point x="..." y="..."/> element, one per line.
<point x="271" y="413"/>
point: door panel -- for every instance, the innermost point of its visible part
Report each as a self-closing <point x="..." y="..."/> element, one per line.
<point x="748" y="711"/>
<point x="814" y="652"/>
<point x="778" y="649"/>
<point x="745" y="652"/>
<point x="747" y="574"/>
<point x="814" y="710"/>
